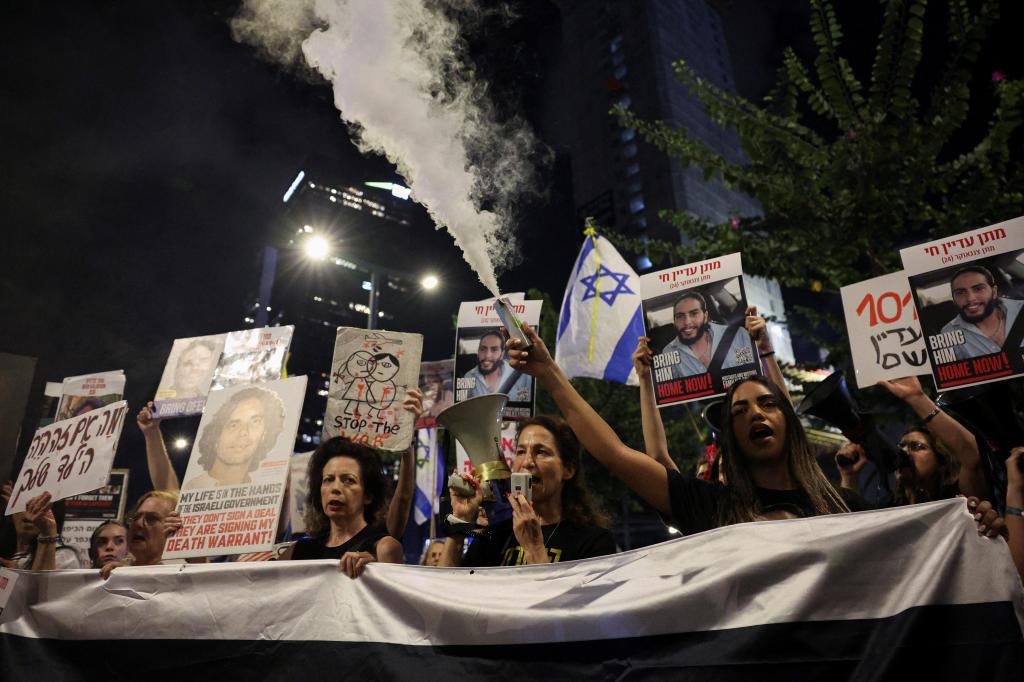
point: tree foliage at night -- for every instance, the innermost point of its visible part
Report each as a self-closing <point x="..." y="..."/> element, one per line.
<point x="848" y="168"/>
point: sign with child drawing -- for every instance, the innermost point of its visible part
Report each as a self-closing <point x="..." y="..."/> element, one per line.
<point x="370" y="374"/>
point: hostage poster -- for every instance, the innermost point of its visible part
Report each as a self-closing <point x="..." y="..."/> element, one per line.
<point x="252" y="356"/>
<point x="885" y="336"/>
<point x="235" y="481"/>
<point x="80" y="394"/>
<point x="188" y="375"/>
<point x="70" y="457"/>
<point x="694" y="315"/>
<point x="969" y="292"/>
<point x="370" y="374"/>
<point x="481" y="360"/>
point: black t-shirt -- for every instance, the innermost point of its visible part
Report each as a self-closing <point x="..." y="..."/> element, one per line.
<point x="316" y="548"/>
<point x="695" y="502"/>
<point x="565" y="541"/>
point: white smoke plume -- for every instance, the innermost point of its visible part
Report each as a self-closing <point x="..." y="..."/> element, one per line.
<point x="401" y="83"/>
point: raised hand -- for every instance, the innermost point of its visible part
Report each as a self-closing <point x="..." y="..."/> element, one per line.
<point x="534" y="362"/>
<point x="643" y="358"/>
<point x="39" y="511"/>
<point x="145" y="419"/>
<point x="172" y="523"/>
<point x="413" y="402"/>
<point x="905" y="389"/>
<point x="758" y="330"/>
<point x="464" y="507"/>
<point x="990" y="524"/>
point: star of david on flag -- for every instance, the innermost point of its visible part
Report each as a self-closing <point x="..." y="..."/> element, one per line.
<point x="429" y="476"/>
<point x="600" y="319"/>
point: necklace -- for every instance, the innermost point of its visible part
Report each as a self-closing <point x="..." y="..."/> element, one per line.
<point x="552" y="534"/>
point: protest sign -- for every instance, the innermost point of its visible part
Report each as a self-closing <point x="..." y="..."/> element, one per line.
<point x="436" y="382"/>
<point x="370" y="374"/>
<point x="70" y="457"/>
<point x="106" y="502"/>
<point x="188" y="375"/>
<point x="237" y="472"/>
<point x="87" y="392"/>
<point x="694" y="315"/>
<point x="252" y="356"/>
<point x="969" y="292"/>
<point x="298" y="489"/>
<point x="8" y="578"/>
<point x="885" y="335"/>
<point x="76" y="535"/>
<point x="481" y="363"/>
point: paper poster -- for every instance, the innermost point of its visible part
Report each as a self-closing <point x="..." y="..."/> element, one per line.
<point x="969" y="292"/>
<point x="370" y="374"/>
<point x="298" y="489"/>
<point x="235" y="481"/>
<point x="107" y="502"/>
<point x="70" y="457"/>
<point x="694" y="315"/>
<point x="76" y="534"/>
<point x="481" y="362"/>
<point x="8" y="579"/>
<point x="438" y="386"/>
<point x="508" y="448"/>
<point x="89" y="392"/>
<point x="885" y="335"/>
<point x="252" y="356"/>
<point x="188" y="375"/>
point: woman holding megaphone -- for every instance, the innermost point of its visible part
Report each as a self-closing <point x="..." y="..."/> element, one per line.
<point x="768" y="462"/>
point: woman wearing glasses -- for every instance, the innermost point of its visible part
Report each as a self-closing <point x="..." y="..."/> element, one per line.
<point x="149" y="525"/>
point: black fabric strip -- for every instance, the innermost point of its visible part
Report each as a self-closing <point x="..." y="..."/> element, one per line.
<point x="970" y="642"/>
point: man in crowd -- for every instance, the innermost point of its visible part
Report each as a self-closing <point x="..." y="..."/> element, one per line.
<point x="985" y="317"/>
<point x="493" y="374"/>
<point x="698" y="338"/>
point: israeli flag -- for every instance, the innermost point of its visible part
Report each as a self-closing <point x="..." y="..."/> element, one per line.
<point x="429" y="475"/>
<point x="601" y="318"/>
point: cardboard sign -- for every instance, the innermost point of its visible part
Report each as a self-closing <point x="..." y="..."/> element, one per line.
<point x="252" y="356"/>
<point x="694" y="315"/>
<point x="481" y="362"/>
<point x="89" y="392"/>
<point x="370" y="374"/>
<point x="885" y="335"/>
<point x="103" y="503"/>
<point x="969" y="292"/>
<point x="438" y="386"/>
<point x="70" y="457"/>
<point x="235" y="481"/>
<point x="188" y="375"/>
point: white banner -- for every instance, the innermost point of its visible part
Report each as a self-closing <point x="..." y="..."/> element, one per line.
<point x="881" y="324"/>
<point x="856" y="591"/>
<point x="70" y="457"/>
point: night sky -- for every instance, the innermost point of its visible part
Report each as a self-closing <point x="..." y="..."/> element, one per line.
<point x="144" y="153"/>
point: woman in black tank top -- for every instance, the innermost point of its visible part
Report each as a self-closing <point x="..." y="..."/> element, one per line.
<point x="344" y="506"/>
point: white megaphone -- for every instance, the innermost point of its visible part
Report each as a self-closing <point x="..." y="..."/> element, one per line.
<point x="476" y="424"/>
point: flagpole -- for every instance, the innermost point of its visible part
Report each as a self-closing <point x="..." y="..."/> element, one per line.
<point x="590" y="230"/>
<point x="434" y="450"/>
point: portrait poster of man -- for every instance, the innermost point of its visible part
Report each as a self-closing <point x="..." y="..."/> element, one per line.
<point x="438" y="386"/>
<point x="252" y="356"/>
<point x="370" y="374"/>
<point x="188" y="375"/>
<point x="969" y="293"/>
<point x="481" y="360"/>
<point x="236" y="477"/>
<point x="81" y="394"/>
<point x="885" y="335"/>
<point x="694" y="315"/>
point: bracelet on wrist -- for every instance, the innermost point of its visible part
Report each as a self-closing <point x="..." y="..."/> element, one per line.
<point x="1014" y="511"/>
<point x="47" y="539"/>
<point x="931" y="415"/>
<point x="764" y="355"/>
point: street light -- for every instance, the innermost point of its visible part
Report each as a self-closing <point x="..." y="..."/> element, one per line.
<point x="180" y="443"/>
<point x="430" y="282"/>
<point x="316" y="247"/>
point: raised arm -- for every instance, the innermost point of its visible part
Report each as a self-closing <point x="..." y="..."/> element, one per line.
<point x="952" y="434"/>
<point x="401" y="503"/>
<point x="655" y="442"/>
<point x="645" y="476"/>
<point x="758" y="330"/>
<point x="1014" y="504"/>
<point x="39" y="512"/>
<point x="161" y="472"/>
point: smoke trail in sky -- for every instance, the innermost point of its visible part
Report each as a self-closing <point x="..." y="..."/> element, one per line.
<point x="402" y="84"/>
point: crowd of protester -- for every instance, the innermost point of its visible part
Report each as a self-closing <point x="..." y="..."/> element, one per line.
<point x="766" y="470"/>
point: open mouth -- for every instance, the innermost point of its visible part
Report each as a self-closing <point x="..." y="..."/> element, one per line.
<point x="138" y="537"/>
<point x="334" y="505"/>
<point x="760" y="433"/>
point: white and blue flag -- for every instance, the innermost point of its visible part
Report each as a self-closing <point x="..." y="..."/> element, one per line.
<point x="429" y="475"/>
<point x="601" y="318"/>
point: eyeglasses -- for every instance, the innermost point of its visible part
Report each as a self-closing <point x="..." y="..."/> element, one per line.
<point x="912" y="445"/>
<point x="147" y="518"/>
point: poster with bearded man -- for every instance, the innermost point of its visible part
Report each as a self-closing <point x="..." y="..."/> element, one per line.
<point x="694" y="316"/>
<point x="969" y="293"/>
